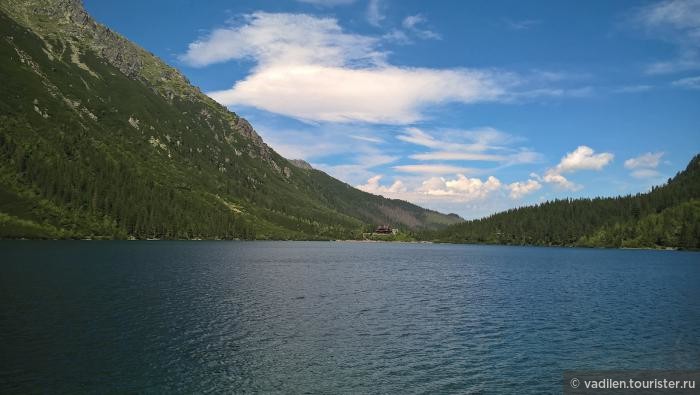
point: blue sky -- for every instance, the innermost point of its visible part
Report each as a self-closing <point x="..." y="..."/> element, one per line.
<point x="465" y="107"/>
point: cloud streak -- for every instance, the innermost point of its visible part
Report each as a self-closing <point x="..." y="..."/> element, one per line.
<point x="676" y="21"/>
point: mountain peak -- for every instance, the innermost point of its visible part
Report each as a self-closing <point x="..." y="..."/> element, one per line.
<point x="300" y="163"/>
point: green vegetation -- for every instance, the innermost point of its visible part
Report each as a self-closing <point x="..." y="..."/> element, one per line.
<point x="666" y="217"/>
<point x="100" y="139"/>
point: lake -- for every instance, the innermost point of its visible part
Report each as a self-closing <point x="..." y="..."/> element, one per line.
<point x="336" y="317"/>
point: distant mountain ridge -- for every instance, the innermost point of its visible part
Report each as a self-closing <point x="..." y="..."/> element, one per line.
<point x="99" y="138"/>
<point x="666" y="217"/>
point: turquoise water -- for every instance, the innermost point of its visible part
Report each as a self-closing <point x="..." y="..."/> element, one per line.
<point x="325" y="317"/>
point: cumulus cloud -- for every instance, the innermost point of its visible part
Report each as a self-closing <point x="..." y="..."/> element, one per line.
<point x="457" y="189"/>
<point x="677" y="21"/>
<point x="467" y="188"/>
<point x="582" y="158"/>
<point x="520" y="189"/>
<point x="644" y="166"/>
<point x="308" y="68"/>
<point x="373" y="186"/>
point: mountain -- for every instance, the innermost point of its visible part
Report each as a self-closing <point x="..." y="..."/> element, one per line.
<point x="99" y="138"/>
<point x="667" y="216"/>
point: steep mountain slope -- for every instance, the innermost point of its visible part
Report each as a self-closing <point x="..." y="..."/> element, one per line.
<point x="667" y="216"/>
<point x="99" y="138"/>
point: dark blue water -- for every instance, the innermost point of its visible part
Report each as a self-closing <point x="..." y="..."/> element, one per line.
<point x="317" y="317"/>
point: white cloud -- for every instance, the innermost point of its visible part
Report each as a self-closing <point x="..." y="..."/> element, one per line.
<point x="416" y="136"/>
<point x="389" y="95"/>
<point x="307" y="67"/>
<point x="560" y="181"/>
<point x="644" y="166"/>
<point x="688" y="83"/>
<point x="520" y="189"/>
<point x="648" y="160"/>
<point x="374" y="13"/>
<point x="280" y="39"/>
<point x="582" y="158"/>
<point x="468" y="188"/>
<point x="373" y="186"/>
<point x="459" y="189"/>
<point x="677" y="21"/>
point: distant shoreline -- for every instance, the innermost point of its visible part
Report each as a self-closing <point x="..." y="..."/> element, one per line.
<point x="371" y="241"/>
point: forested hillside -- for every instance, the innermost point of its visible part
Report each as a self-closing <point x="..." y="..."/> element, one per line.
<point x="99" y="138"/>
<point x="667" y="216"/>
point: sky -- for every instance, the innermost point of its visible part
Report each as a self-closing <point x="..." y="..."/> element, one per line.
<point x="463" y="107"/>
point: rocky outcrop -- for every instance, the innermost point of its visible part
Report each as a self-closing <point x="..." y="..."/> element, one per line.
<point x="302" y="164"/>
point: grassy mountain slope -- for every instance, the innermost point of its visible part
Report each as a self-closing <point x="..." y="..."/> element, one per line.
<point x="99" y="138"/>
<point x="667" y="216"/>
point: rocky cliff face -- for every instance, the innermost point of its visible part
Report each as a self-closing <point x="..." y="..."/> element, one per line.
<point x="302" y="164"/>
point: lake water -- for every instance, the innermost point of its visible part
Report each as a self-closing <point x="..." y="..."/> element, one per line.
<point x="329" y="317"/>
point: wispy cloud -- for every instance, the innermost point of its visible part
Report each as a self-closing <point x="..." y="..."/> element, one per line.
<point x="677" y="21"/>
<point x="434" y="169"/>
<point x="417" y="25"/>
<point x="485" y="145"/>
<point x="375" y="15"/>
<point x="633" y="89"/>
<point x="688" y="83"/>
<point x="644" y="166"/>
<point x="366" y="138"/>
<point x="523" y="24"/>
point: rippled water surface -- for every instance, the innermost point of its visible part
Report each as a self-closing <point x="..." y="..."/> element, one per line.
<point x="326" y="317"/>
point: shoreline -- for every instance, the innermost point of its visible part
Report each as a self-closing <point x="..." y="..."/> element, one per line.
<point x="367" y="241"/>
